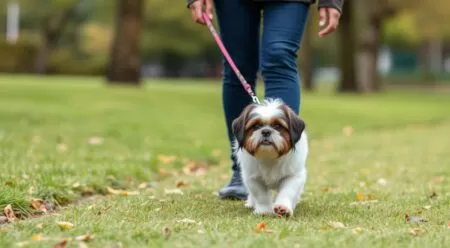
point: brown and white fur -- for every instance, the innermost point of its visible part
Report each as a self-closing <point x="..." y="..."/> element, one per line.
<point x="271" y="147"/>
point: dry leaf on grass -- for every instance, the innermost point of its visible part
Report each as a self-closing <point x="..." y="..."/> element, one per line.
<point x="427" y="207"/>
<point x="416" y="231"/>
<point x="348" y="131"/>
<point x="9" y="213"/>
<point x="336" y="224"/>
<point x="360" y="196"/>
<point x="357" y="230"/>
<point x="37" y="237"/>
<point x="195" y="168"/>
<point x="448" y="224"/>
<point x="95" y="141"/>
<point x="38" y="204"/>
<point x="166" y="232"/>
<point x="40" y="225"/>
<point x="60" y="244"/>
<point x="382" y="182"/>
<point x="173" y="192"/>
<point x="64" y="225"/>
<point x="121" y="192"/>
<point x="260" y="227"/>
<point x="187" y="221"/>
<point x="166" y="159"/>
<point x="85" y="238"/>
<point x="180" y="184"/>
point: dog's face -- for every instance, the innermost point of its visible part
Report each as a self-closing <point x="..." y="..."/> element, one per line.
<point x="268" y="130"/>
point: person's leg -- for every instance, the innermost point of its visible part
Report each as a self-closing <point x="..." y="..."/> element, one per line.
<point x="284" y="23"/>
<point x="239" y="24"/>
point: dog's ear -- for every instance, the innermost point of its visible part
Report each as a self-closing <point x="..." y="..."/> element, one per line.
<point x="296" y="125"/>
<point x="238" y="125"/>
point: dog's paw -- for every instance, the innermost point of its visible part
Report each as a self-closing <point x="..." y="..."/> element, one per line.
<point x="282" y="210"/>
<point x="249" y="203"/>
<point x="263" y="211"/>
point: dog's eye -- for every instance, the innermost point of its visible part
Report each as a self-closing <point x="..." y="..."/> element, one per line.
<point x="277" y="126"/>
<point x="256" y="126"/>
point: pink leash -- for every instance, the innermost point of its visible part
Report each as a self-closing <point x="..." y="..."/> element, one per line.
<point x="230" y="61"/>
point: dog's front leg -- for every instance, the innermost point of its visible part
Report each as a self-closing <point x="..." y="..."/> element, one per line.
<point x="261" y="197"/>
<point x="288" y="195"/>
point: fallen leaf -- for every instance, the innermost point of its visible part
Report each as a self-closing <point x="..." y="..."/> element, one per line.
<point x="36" y="237"/>
<point x="166" y="159"/>
<point x="95" y="141"/>
<point x="347" y="130"/>
<point x="85" y="238"/>
<point x="336" y="224"/>
<point x="437" y="179"/>
<point x="427" y="207"/>
<point x="64" y="225"/>
<point x="38" y="204"/>
<point x="360" y="196"/>
<point x="181" y="184"/>
<point x="9" y="213"/>
<point x="76" y="185"/>
<point x="142" y="186"/>
<point x="370" y="197"/>
<point x="416" y="231"/>
<point x="61" y="147"/>
<point x="2" y="230"/>
<point x="166" y="232"/>
<point x="382" y="181"/>
<point x="61" y="244"/>
<point x="121" y="192"/>
<point x="195" y="168"/>
<point x="40" y="225"/>
<point x="448" y="224"/>
<point x="187" y="221"/>
<point x="414" y="219"/>
<point x="173" y="191"/>
<point x="433" y="195"/>
<point x="357" y="230"/>
<point x="260" y="227"/>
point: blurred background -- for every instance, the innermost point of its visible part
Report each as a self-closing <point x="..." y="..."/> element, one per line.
<point x="379" y="44"/>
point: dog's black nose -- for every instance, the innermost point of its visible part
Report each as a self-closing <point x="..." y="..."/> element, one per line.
<point x="266" y="132"/>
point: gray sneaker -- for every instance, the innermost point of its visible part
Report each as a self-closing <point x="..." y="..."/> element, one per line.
<point x="235" y="189"/>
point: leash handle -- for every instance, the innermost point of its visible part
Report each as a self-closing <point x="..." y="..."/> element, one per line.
<point x="227" y="56"/>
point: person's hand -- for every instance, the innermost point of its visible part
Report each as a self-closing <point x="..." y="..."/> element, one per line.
<point x="328" y="16"/>
<point x="197" y="8"/>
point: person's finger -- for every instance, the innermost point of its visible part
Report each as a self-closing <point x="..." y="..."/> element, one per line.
<point x="209" y="9"/>
<point x="322" y="17"/>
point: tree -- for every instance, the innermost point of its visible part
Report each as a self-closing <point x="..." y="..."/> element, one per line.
<point x="125" y="62"/>
<point x="348" y="38"/>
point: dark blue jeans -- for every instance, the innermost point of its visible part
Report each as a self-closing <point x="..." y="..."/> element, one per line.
<point x="274" y="54"/>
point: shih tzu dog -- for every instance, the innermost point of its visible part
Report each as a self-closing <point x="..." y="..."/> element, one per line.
<point x="271" y="147"/>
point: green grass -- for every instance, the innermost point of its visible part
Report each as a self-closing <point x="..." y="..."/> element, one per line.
<point x="46" y="123"/>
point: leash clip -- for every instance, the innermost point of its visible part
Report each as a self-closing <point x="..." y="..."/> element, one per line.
<point x="255" y="99"/>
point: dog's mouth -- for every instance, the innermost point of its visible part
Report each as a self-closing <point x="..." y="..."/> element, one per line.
<point x="266" y="142"/>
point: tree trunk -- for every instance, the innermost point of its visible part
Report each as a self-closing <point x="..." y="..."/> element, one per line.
<point x="125" y="63"/>
<point x="368" y="55"/>
<point x="306" y="62"/>
<point x="347" y="36"/>
<point x="54" y="26"/>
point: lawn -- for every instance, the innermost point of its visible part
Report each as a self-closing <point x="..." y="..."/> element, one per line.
<point x="141" y="168"/>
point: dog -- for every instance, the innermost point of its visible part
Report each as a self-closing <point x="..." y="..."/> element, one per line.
<point x="271" y="146"/>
